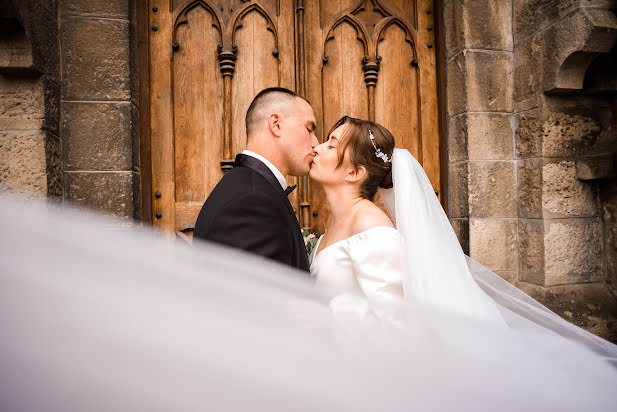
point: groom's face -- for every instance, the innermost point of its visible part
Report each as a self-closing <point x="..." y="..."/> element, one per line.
<point x="299" y="138"/>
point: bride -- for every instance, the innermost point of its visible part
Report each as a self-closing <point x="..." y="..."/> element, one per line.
<point x="415" y="257"/>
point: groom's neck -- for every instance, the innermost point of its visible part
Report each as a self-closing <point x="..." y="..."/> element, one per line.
<point x="269" y="152"/>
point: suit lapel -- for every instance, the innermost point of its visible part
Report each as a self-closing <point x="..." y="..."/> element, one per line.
<point x="258" y="166"/>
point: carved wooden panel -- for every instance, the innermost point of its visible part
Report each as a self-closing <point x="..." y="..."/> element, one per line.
<point x="208" y="58"/>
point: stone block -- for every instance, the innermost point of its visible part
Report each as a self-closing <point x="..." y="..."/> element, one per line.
<point x="23" y="163"/>
<point x="508" y="275"/>
<point x="461" y="228"/>
<point x="40" y="20"/>
<point x="456" y="74"/>
<point x="531" y="250"/>
<point x="563" y="195"/>
<point x="51" y="96"/>
<point x="492" y="189"/>
<point x="532" y="16"/>
<point x="95" y="59"/>
<point x="590" y="306"/>
<point x="573" y="251"/>
<point x="530" y="188"/>
<point x="490" y="136"/>
<point x="110" y="193"/>
<point x="528" y="64"/>
<point x="108" y="8"/>
<point x="457" y="191"/>
<point x="137" y="207"/>
<point x="568" y="135"/>
<point x="608" y="200"/>
<point x="493" y="243"/>
<point x="454" y="27"/>
<point x="457" y="138"/>
<point x="21" y="103"/>
<point x="97" y="136"/>
<point x="610" y="250"/>
<point x="529" y="137"/>
<point x="15" y="50"/>
<point x="53" y="169"/>
<point x="488" y="24"/>
<point x="488" y="90"/>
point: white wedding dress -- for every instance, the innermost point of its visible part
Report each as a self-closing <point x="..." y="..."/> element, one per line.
<point x="422" y="264"/>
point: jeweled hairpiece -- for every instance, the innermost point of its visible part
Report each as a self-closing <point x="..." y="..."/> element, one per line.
<point x="378" y="152"/>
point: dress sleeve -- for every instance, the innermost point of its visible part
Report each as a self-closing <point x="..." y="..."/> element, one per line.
<point x="376" y="262"/>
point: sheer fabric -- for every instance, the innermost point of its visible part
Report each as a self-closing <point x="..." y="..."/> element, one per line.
<point x="438" y="274"/>
<point x="99" y="318"/>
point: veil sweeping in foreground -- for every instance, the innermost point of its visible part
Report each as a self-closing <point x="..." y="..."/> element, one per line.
<point x="99" y="318"/>
<point x="437" y="273"/>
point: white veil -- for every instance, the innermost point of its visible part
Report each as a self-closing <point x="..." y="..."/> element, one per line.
<point x="99" y="318"/>
<point x="439" y="274"/>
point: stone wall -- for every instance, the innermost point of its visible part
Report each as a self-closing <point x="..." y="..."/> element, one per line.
<point x="532" y="116"/>
<point x="68" y="103"/>
<point x="29" y="99"/>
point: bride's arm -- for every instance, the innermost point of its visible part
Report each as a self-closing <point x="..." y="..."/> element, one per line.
<point x="376" y="262"/>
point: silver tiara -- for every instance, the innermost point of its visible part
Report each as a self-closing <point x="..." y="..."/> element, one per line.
<point x="378" y="152"/>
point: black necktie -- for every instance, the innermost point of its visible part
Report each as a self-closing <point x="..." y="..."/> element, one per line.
<point x="290" y="189"/>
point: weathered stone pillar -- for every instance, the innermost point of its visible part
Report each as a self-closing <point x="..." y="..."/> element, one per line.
<point x="482" y="185"/>
<point x="97" y="111"/>
<point x="29" y="99"/>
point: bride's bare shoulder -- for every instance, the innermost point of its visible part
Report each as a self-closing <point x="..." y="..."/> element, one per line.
<point x="368" y="216"/>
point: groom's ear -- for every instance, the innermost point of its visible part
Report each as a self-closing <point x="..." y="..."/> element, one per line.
<point x="274" y="124"/>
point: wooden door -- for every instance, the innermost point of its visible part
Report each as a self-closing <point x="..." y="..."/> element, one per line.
<point x="208" y="58"/>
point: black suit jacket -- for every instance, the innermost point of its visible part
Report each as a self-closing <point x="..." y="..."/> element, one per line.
<point x="249" y="210"/>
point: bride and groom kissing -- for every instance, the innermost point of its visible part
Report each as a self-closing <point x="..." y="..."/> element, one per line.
<point x="411" y="256"/>
<point x="249" y="208"/>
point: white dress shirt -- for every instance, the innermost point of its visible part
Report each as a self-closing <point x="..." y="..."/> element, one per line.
<point x="277" y="173"/>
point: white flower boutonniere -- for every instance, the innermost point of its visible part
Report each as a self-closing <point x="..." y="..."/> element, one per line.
<point x="310" y="240"/>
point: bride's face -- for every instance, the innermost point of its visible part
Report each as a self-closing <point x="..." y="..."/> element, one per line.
<point x="324" y="167"/>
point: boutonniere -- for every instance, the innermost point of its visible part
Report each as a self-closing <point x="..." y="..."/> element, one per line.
<point x="310" y="240"/>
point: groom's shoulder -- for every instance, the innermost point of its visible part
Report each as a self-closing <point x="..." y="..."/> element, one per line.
<point x="240" y="181"/>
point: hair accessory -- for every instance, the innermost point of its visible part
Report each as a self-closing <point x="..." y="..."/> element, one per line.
<point x="378" y="152"/>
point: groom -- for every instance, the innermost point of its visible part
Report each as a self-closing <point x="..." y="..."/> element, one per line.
<point x="248" y="208"/>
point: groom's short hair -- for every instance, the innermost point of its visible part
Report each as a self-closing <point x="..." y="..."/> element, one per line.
<point x="267" y="100"/>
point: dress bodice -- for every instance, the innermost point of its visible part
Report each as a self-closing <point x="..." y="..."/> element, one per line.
<point x="365" y="264"/>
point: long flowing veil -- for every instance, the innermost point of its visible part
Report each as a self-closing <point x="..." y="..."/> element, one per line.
<point x="438" y="273"/>
<point x="93" y="317"/>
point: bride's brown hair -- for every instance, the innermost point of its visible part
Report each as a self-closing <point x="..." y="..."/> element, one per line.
<point x="356" y="140"/>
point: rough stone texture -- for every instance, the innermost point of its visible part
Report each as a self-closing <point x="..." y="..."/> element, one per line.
<point x="573" y="251"/>
<point x="563" y="195"/>
<point x="478" y="89"/>
<point x="458" y="190"/>
<point x="454" y="27"/>
<point x="51" y="96"/>
<point x="107" y="192"/>
<point x="610" y="249"/>
<point x="135" y="126"/>
<point x="488" y="24"/>
<point x="108" y="8"/>
<point x="531" y="250"/>
<point x="457" y="138"/>
<point x="97" y="136"/>
<point x="568" y="135"/>
<point x="530" y="188"/>
<point x="492" y="189"/>
<point x="529" y="137"/>
<point x="590" y="306"/>
<point x="23" y="163"/>
<point x="456" y="90"/>
<point x="95" y="57"/>
<point x="493" y="243"/>
<point x="461" y="228"/>
<point x="490" y="136"/>
<point x="531" y="16"/>
<point x="489" y="90"/>
<point x="53" y="166"/>
<point x="21" y="103"/>
<point x="556" y="59"/>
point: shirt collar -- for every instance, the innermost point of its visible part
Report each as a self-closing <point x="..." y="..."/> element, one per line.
<point x="279" y="176"/>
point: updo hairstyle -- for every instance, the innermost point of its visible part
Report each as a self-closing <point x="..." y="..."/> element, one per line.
<point x="356" y="140"/>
